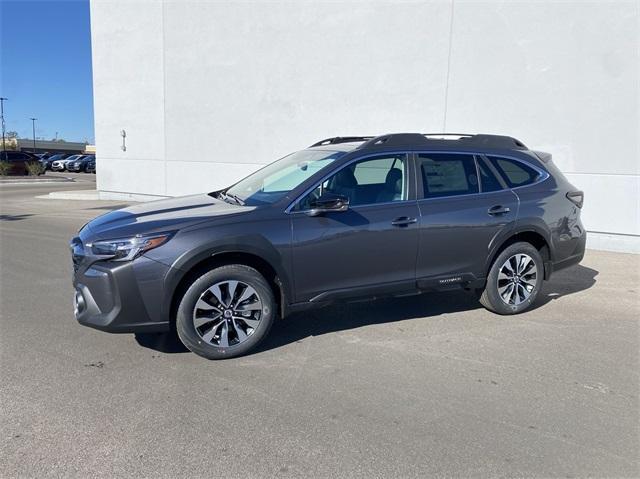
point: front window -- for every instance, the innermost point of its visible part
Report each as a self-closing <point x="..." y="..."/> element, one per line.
<point x="274" y="181"/>
<point x="382" y="179"/>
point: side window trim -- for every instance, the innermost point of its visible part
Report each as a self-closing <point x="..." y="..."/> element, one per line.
<point x="410" y="170"/>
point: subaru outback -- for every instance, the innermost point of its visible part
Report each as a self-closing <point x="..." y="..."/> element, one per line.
<point x="347" y="218"/>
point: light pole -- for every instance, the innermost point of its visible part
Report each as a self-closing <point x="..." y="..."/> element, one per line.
<point x="2" y="99"/>
<point x="33" y="125"/>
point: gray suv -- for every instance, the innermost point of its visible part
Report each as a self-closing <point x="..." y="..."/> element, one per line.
<point x="348" y="217"/>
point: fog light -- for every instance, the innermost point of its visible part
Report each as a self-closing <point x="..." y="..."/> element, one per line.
<point x="79" y="304"/>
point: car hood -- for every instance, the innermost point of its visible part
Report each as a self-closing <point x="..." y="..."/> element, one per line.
<point x="163" y="215"/>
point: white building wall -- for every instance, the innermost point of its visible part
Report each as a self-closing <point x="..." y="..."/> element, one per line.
<point x="208" y="91"/>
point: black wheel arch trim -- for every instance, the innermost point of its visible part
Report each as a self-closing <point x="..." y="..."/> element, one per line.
<point x="255" y="246"/>
<point x="532" y="225"/>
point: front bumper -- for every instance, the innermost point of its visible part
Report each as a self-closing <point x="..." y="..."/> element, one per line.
<point x="121" y="297"/>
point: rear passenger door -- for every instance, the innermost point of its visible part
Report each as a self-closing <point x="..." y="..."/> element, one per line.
<point x="464" y="207"/>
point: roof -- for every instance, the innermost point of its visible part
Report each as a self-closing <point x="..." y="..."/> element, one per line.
<point x="421" y="140"/>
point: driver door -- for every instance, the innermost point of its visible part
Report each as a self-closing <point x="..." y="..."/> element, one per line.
<point x="371" y="247"/>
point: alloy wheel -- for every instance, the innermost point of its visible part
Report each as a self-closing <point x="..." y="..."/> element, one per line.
<point x="517" y="279"/>
<point x="227" y="313"/>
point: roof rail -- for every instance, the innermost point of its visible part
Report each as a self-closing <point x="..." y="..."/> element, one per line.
<point x="395" y="139"/>
<point x="440" y="139"/>
<point x="341" y="139"/>
<point x="494" y="141"/>
<point x="447" y="136"/>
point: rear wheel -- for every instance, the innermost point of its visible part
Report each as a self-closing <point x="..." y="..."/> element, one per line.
<point x="514" y="281"/>
<point x="226" y="312"/>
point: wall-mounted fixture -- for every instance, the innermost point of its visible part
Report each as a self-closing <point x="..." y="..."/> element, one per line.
<point x="124" y="136"/>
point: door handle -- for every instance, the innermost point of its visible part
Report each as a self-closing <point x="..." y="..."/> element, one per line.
<point x="404" y="221"/>
<point x="498" y="210"/>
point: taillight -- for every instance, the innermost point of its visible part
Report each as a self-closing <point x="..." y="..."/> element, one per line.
<point x="576" y="197"/>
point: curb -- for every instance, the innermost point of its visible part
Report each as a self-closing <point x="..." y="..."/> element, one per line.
<point x="86" y="195"/>
<point x="39" y="181"/>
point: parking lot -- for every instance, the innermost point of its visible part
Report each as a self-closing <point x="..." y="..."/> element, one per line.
<point x="428" y="385"/>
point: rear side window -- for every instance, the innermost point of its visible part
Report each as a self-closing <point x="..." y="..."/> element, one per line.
<point x="514" y="172"/>
<point x="448" y="175"/>
<point x="488" y="181"/>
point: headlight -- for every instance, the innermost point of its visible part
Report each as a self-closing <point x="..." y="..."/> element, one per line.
<point x="126" y="249"/>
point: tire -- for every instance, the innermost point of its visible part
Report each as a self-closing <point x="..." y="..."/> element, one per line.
<point x="507" y="293"/>
<point x="233" y="326"/>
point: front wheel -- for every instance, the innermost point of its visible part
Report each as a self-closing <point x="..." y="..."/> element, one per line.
<point x="226" y="312"/>
<point x="514" y="281"/>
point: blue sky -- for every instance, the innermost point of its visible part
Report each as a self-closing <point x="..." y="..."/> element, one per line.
<point x="45" y="68"/>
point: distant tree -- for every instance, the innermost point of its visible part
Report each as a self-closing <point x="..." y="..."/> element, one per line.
<point x="11" y="134"/>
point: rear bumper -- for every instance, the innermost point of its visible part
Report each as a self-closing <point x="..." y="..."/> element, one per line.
<point x="120" y="297"/>
<point x="576" y="255"/>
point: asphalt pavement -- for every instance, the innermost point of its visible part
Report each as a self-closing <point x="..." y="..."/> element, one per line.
<point x="431" y="385"/>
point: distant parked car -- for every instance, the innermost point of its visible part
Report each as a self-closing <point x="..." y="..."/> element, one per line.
<point x="49" y="161"/>
<point x="80" y="164"/>
<point x="61" y="165"/>
<point x="91" y="166"/>
<point x="47" y="158"/>
<point x="18" y="161"/>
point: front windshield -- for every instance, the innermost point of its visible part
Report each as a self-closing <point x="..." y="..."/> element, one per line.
<point x="274" y="181"/>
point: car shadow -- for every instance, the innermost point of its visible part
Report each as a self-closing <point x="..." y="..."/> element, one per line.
<point x="109" y="207"/>
<point x="168" y="343"/>
<point x="15" y="217"/>
<point x="345" y="316"/>
<point x="565" y="282"/>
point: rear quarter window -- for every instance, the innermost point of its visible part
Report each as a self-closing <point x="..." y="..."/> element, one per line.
<point x="514" y="172"/>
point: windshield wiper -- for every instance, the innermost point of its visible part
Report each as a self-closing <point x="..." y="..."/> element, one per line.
<point x="224" y="196"/>
<point x="235" y="198"/>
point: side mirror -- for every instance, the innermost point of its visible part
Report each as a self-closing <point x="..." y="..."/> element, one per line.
<point x="329" y="203"/>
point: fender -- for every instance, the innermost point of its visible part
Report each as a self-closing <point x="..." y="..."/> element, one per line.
<point x="255" y="245"/>
<point x="522" y="225"/>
